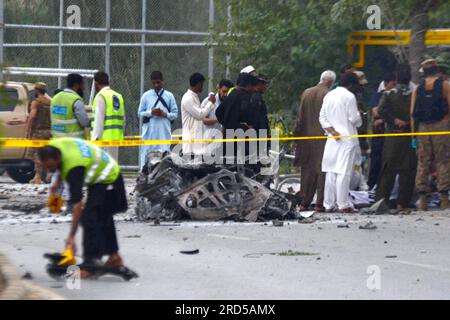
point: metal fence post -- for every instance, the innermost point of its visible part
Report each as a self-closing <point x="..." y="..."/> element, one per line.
<point x="228" y="57"/>
<point x="211" y="49"/>
<point x="2" y="22"/>
<point x="143" y="39"/>
<point x="108" y="37"/>
<point x="60" y="39"/>
<point x="142" y="75"/>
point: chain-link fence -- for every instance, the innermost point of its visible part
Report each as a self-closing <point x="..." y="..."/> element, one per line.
<point x="128" y="39"/>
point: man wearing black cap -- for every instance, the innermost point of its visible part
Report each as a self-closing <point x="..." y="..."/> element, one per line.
<point x="232" y="114"/>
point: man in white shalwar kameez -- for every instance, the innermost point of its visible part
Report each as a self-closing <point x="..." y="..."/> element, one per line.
<point x="339" y="116"/>
<point x="193" y="114"/>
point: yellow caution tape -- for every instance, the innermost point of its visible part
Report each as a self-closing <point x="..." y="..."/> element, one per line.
<point x="28" y="143"/>
<point x="175" y="136"/>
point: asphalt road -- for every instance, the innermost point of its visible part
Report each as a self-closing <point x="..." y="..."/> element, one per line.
<point x="404" y="258"/>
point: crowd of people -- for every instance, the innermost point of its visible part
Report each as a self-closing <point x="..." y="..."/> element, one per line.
<point x="329" y="168"/>
<point x="65" y="115"/>
<point x="407" y="163"/>
<point x="231" y="107"/>
<point x="415" y="152"/>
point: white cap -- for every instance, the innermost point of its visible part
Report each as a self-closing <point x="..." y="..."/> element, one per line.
<point x="362" y="77"/>
<point x="427" y="63"/>
<point x="248" y="69"/>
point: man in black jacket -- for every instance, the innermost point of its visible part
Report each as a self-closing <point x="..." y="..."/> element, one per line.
<point x="258" y="111"/>
<point x="233" y="113"/>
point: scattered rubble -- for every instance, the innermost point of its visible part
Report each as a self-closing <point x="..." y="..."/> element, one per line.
<point x="190" y="252"/>
<point x="277" y="223"/>
<point x="368" y="226"/>
<point x="378" y="208"/>
<point x="201" y="192"/>
<point x="289" y="253"/>
<point x="27" y="276"/>
<point x="26" y="206"/>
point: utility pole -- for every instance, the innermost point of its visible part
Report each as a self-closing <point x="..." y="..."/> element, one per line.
<point x="108" y="37"/>
<point x="2" y="27"/>
<point x="60" y="39"/>
<point x="228" y="57"/>
<point x="211" y="49"/>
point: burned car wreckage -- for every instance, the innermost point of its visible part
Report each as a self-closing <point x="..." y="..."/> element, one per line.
<point x="170" y="190"/>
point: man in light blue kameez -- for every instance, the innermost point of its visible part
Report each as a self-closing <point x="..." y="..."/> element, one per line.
<point x="158" y="109"/>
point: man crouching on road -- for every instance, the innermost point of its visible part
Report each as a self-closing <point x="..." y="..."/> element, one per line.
<point x="81" y="162"/>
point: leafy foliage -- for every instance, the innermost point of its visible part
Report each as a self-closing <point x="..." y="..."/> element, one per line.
<point x="293" y="41"/>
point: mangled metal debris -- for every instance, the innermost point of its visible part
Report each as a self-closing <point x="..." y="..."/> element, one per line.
<point x="172" y="191"/>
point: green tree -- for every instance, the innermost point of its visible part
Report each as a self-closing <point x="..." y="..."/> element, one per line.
<point x="293" y="41"/>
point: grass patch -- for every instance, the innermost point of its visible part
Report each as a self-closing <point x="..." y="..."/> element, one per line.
<point x="291" y="253"/>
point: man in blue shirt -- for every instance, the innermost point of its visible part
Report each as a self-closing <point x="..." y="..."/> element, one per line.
<point x="158" y="109"/>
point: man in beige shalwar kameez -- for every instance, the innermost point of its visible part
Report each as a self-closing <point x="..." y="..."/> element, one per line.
<point x="309" y="153"/>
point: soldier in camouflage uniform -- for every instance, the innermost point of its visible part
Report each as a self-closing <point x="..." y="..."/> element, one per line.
<point x="432" y="149"/>
<point x="399" y="157"/>
<point x="39" y="126"/>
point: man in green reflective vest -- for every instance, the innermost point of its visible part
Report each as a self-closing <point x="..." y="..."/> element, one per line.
<point x="108" y="113"/>
<point x="68" y="116"/>
<point x="83" y="163"/>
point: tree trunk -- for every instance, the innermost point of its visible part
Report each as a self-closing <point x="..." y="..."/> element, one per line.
<point x="419" y="27"/>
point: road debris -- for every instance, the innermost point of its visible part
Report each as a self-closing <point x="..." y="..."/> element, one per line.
<point x="378" y="208"/>
<point x="26" y="206"/>
<point x="176" y="191"/>
<point x="368" y="226"/>
<point x="190" y="252"/>
<point x="165" y="225"/>
<point x="289" y="253"/>
<point x="277" y="223"/>
<point x="306" y="220"/>
<point x="27" y="276"/>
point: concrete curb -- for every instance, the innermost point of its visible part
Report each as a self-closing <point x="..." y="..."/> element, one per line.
<point x="12" y="287"/>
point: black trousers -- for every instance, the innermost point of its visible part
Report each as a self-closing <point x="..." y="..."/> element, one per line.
<point x="97" y="220"/>
<point x="375" y="162"/>
<point x="406" y="185"/>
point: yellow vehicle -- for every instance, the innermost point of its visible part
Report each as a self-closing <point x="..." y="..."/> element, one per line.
<point x="14" y="110"/>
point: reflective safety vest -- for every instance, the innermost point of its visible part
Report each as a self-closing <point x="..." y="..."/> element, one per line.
<point x="64" y="122"/>
<point x="114" y="115"/>
<point x="100" y="167"/>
